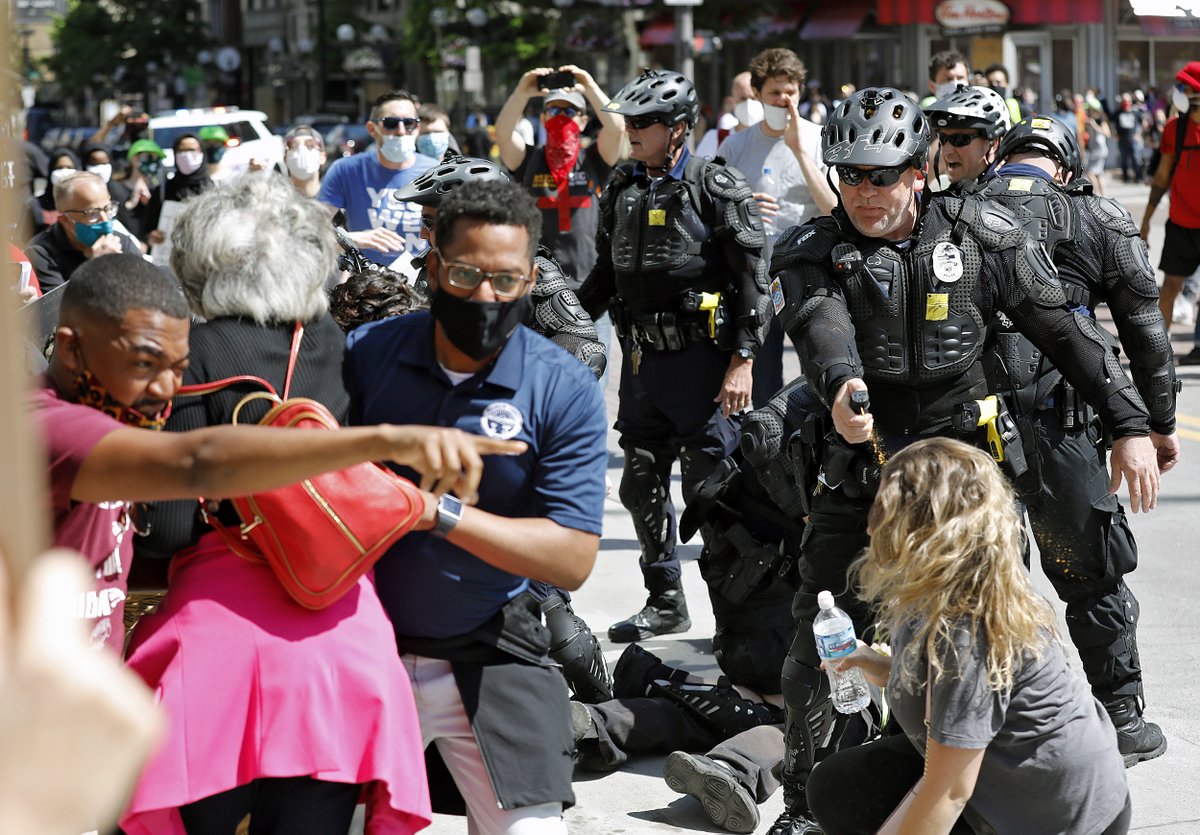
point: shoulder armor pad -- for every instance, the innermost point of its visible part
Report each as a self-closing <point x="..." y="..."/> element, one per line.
<point x="989" y="221"/>
<point x="725" y="183"/>
<point x="1112" y="215"/>
<point x="1080" y="186"/>
<point x="809" y="243"/>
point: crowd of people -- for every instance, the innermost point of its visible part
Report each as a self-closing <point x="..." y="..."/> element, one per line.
<point x="455" y="315"/>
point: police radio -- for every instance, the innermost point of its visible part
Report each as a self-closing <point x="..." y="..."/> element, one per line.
<point x="847" y="260"/>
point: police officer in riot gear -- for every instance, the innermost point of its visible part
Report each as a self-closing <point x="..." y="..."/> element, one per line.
<point x="890" y="301"/>
<point x="969" y="123"/>
<point x="558" y="316"/>
<point x="1085" y="542"/>
<point x="678" y="269"/>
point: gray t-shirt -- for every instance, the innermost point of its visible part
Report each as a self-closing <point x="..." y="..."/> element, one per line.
<point x="1051" y="764"/>
<point x="750" y="151"/>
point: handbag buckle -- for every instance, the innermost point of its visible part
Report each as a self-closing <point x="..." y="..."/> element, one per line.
<point x="245" y="529"/>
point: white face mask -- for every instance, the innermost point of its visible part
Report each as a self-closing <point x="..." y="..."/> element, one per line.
<point x="303" y="163"/>
<point x="776" y="117"/>
<point x="103" y="171"/>
<point x="945" y="89"/>
<point x="60" y="174"/>
<point x="1181" y="100"/>
<point x="398" y="149"/>
<point x="748" y="112"/>
<point x="188" y="162"/>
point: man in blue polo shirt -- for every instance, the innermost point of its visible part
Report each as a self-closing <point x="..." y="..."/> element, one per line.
<point x="468" y="629"/>
<point x="362" y="185"/>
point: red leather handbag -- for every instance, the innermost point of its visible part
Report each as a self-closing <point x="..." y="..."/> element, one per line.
<point x="320" y="535"/>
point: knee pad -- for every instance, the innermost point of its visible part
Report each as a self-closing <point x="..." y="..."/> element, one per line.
<point x="645" y="493"/>
<point x="573" y="646"/>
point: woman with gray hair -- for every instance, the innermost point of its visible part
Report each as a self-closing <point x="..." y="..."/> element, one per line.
<point x="276" y="711"/>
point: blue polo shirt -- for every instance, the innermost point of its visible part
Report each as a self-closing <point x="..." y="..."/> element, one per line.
<point x="363" y="186"/>
<point x="534" y="392"/>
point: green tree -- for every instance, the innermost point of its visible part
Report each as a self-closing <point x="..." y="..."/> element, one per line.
<point x="95" y="37"/>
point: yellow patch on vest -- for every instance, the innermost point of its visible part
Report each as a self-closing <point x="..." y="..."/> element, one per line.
<point x="1020" y="183"/>
<point x="657" y="217"/>
<point x="937" y="307"/>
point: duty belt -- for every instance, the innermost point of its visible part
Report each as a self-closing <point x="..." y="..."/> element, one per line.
<point x="661" y="330"/>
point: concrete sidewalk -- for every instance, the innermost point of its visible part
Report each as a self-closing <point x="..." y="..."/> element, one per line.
<point x="636" y="800"/>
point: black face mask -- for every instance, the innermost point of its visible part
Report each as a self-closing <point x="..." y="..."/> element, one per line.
<point x="478" y="329"/>
<point x="214" y="153"/>
<point x="1003" y="91"/>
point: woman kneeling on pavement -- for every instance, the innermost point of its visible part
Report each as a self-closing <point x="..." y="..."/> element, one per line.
<point x="1015" y="742"/>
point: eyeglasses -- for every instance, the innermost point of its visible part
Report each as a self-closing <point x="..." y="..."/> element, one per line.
<point x="959" y="140"/>
<point x="468" y="277"/>
<point x="394" y="122"/>
<point x="879" y="177"/>
<point x="95" y="215"/>
<point x="554" y="110"/>
<point x="642" y="122"/>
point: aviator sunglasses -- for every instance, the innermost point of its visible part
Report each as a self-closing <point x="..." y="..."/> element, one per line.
<point x="879" y="177"/>
<point x="959" y="140"/>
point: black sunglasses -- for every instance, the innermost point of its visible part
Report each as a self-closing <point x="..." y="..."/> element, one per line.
<point x="554" y="110"/>
<point x="879" y="177"/>
<point x="394" y="122"/>
<point x="959" y="140"/>
<point x="642" y="122"/>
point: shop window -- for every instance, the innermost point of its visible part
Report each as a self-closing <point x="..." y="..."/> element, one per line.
<point x="1169" y="59"/>
<point x="1064" y="65"/>
<point x="1133" y="65"/>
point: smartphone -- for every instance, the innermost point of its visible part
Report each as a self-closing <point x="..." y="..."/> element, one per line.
<point x="556" y="80"/>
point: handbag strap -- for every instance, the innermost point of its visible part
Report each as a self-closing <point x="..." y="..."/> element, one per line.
<point x="928" y="710"/>
<point x="297" y="335"/>
<point x="218" y="385"/>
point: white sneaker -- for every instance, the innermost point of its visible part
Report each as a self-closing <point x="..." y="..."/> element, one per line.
<point x="1184" y="311"/>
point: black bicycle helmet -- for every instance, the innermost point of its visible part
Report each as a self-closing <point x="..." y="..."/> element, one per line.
<point x="981" y="108"/>
<point x="877" y="126"/>
<point x="454" y="170"/>
<point x="662" y="93"/>
<point x="1047" y="135"/>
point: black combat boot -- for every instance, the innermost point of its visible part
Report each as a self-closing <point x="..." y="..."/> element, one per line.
<point x="636" y="670"/>
<point x="664" y="613"/>
<point x="1137" y="739"/>
<point x="796" y="819"/>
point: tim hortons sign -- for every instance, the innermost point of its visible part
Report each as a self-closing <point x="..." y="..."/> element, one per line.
<point x="971" y="17"/>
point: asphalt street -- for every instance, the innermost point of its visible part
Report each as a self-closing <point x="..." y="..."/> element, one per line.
<point x="1165" y="797"/>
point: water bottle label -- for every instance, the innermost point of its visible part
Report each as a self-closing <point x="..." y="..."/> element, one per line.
<point x="838" y="644"/>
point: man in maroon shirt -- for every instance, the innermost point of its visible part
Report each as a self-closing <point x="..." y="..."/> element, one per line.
<point x="121" y="348"/>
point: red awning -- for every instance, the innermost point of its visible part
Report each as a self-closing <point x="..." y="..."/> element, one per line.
<point x="834" y="21"/>
<point x="661" y="32"/>
<point x="1023" y="12"/>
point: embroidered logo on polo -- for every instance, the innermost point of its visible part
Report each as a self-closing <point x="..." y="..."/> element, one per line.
<point x="501" y="421"/>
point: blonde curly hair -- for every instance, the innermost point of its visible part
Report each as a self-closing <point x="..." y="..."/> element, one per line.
<point x="946" y="554"/>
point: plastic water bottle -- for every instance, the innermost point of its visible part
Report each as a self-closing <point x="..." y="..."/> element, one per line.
<point x="767" y="184"/>
<point x="834" y="632"/>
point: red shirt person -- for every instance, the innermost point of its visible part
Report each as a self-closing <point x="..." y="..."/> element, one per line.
<point x="121" y="348"/>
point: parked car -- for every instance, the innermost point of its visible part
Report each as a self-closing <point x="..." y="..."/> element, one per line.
<point x="249" y="136"/>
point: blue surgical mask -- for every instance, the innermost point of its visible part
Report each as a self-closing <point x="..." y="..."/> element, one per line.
<point x="399" y="149"/>
<point x="433" y="144"/>
<point x="88" y="233"/>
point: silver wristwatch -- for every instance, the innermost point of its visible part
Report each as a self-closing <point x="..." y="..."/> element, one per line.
<point x="449" y="514"/>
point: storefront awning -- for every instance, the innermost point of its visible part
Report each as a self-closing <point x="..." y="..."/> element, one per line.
<point x="833" y="21"/>
<point x="1024" y="12"/>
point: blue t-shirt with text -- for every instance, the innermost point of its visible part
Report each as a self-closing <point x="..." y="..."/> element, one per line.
<point x="363" y="187"/>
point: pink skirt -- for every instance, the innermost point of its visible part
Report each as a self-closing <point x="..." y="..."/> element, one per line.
<point x="256" y="686"/>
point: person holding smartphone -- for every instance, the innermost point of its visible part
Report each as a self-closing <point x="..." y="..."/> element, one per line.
<point x="564" y="175"/>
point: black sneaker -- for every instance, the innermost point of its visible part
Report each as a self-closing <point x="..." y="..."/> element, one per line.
<point x="794" y="823"/>
<point x="1137" y="739"/>
<point x="725" y="800"/>
<point x="663" y="614"/>
<point x="1192" y="357"/>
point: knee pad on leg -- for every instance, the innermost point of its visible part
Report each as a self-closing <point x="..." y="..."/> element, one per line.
<point x="645" y="493"/>
<point x="573" y="645"/>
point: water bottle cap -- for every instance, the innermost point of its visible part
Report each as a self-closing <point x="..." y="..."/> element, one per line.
<point x="825" y="600"/>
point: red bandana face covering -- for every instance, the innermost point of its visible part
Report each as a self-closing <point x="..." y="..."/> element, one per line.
<point x="562" y="147"/>
<point x="91" y="392"/>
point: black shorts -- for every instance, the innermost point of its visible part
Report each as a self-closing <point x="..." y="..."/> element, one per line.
<point x="1181" y="250"/>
